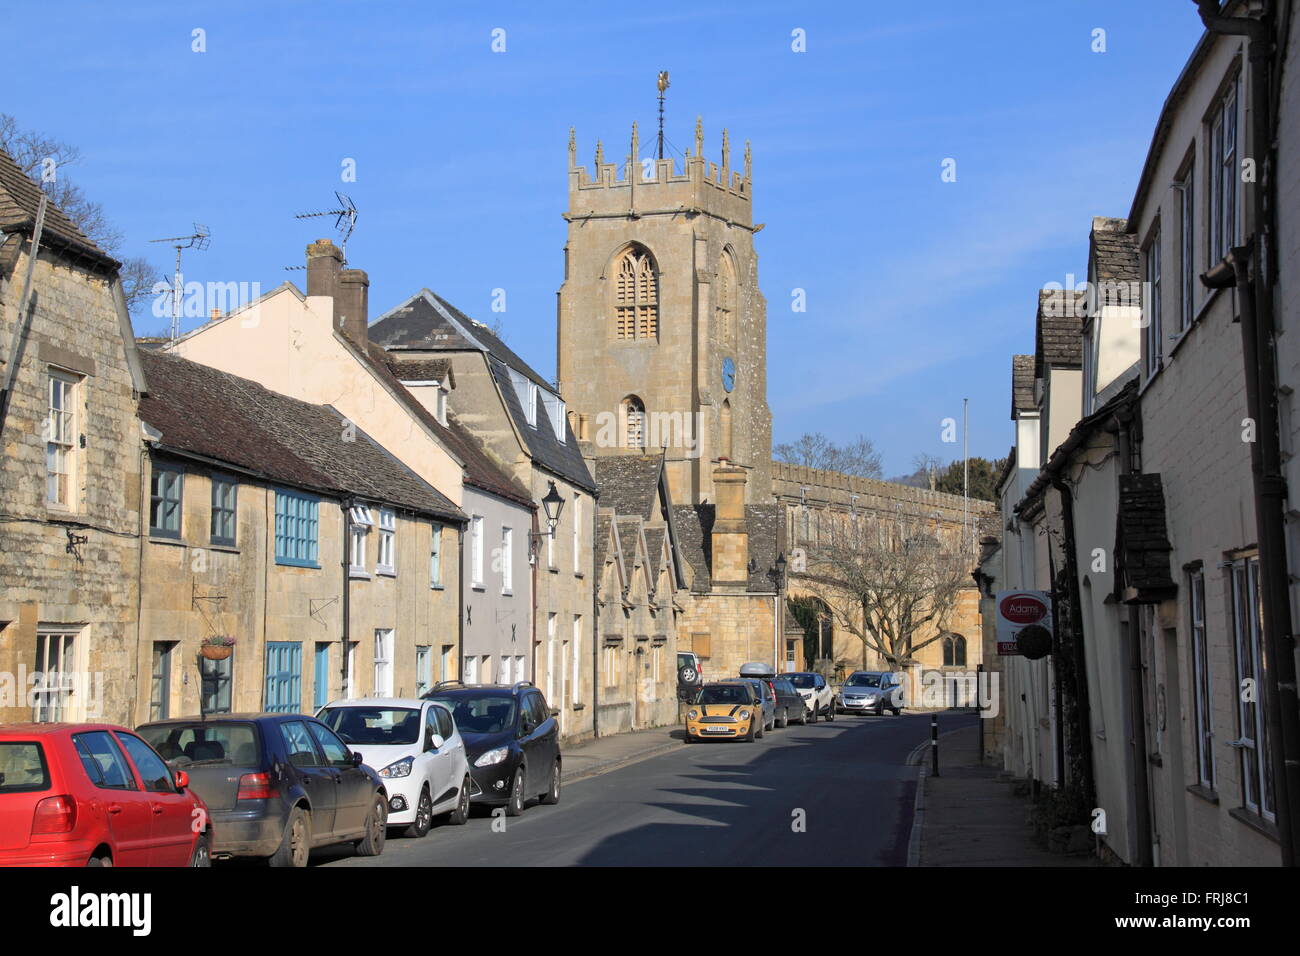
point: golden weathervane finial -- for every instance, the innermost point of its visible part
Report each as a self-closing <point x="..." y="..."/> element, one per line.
<point x="663" y="80"/>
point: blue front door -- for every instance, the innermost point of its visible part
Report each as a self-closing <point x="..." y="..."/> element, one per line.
<point x="283" y="677"/>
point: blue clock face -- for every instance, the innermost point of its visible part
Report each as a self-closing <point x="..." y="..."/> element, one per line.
<point x="728" y="374"/>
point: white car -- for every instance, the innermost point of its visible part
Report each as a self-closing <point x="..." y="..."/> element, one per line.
<point x="417" y="751"/>
<point x="816" y="693"/>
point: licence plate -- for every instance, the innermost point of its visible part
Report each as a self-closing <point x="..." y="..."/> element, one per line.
<point x="718" y="730"/>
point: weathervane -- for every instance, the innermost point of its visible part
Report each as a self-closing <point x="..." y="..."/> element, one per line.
<point x="199" y="239"/>
<point x="345" y="220"/>
<point x="663" y="86"/>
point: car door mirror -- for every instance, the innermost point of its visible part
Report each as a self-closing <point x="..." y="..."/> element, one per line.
<point x="435" y="742"/>
<point x="182" y="780"/>
<point x="555" y="712"/>
<point x="357" y="759"/>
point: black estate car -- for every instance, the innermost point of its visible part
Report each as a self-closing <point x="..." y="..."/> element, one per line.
<point x="790" y="705"/>
<point x="276" y="785"/>
<point x="512" y="741"/>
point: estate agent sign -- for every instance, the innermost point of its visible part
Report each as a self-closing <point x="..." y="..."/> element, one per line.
<point x="1018" y="610"/>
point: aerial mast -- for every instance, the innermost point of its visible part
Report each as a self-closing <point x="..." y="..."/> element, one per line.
<point x="199" y="239"/>
<point x="663" y="86"/>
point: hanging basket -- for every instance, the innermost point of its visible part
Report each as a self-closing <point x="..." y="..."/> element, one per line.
<point x="216" y="652"/>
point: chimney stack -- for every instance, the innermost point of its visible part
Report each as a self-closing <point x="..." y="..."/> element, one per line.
<point x="324" y="260"/>
<point x="730" y="533"/>
<point x="351" y="306"/>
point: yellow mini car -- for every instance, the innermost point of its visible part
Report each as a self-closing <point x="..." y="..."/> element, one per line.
<point x="727" y="711"/>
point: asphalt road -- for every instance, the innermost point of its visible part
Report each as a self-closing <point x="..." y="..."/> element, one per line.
<point x="720" y="802"/>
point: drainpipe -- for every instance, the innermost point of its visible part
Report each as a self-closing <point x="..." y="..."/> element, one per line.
<point x="1076" y="626"/>
<point x="345" y="506"/>
<point x="1119" y="426"/>
<point x="460" y="603"/>
<point x="1255" y="305"/>
<point x="595" y="622"/>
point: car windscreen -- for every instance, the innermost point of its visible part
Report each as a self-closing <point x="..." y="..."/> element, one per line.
<point x="724" y="694"/>
<point x="22" y="767"/>
<point x="805" y="681"/>
<point x="864" y="680"/>
<point x="204" y="743"/>
<point x="481" y="714"/>
<point x="373" y="725"/>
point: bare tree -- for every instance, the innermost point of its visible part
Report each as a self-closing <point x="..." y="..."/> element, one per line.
<point x="32" y="151"/>
<point x="890" y="583"/>
<point x="814" y="450"/>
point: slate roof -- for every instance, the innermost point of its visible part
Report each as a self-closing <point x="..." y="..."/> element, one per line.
<point x="423" y="370"/>
<point x="1058" y="339"/>
<point x="1022" y="384"/>
<point x="202" y="411"/>
<point x="428" y="322"/>
<point x="20" y="198"/>
<point x="654" y="547"/>
<point x="694" y="525"/>
<point x="1143" y="541"/>
<point x="604" y="527"/>
<point x="628" y="483"/>
<point x="1114" y="251"/>
<point x="629" y="534"/>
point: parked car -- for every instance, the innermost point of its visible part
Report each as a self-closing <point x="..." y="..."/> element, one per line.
<point x="690" y="676"/>
<point x="765" y="697"/>
<point x="870" y="692"/>
<point x="816" y="692"/>
<point x="790" y="706"/>
<point x="95" y="795"/>
<point x="418" y="752"/>
<point x="276" y="785"/>
<point x="727" y="710"/>
<point x="512" y="741"/>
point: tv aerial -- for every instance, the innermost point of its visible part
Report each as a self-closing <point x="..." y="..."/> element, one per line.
<point x="345" y="220"/>
<point x="199" y="239"/>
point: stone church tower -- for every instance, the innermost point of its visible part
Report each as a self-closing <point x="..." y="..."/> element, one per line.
<point x="662" y="329"/>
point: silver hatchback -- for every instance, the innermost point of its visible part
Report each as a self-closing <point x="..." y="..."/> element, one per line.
<point x="870" y="692"/>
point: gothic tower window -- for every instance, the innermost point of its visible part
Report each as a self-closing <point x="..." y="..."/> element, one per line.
<point x="633" y="422"/>
<point x="725" y="310"/>
<point x="636" y="295"/>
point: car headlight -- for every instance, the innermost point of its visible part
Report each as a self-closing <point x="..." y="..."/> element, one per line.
<point x="494" y="756"/>
<point x="692" y="714"/>
<point x="743" y="715"/>
<point x="400" y="768"/>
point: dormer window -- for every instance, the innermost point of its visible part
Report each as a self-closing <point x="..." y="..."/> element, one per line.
<point x="556" y="413"/>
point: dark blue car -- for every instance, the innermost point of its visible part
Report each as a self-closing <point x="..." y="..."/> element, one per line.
<point x="512" y="741"/>
<point x="276" y="785"/>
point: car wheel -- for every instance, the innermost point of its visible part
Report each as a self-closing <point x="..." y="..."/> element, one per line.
<point x="296" y="845"/>
<point x="423" y="816"/>
<point x="830" y="712"/>
<point x="785" y="718"/>
<point x="372" y="844"/>
<point x="552" y="795"/>
<point x="812" y="717"/>
<point x="100" y="861"/>
<point x="515" y="805"/>
<point x="752" y="734"/>
<point x="202" y="855"/>
<point x="460" y="816"/>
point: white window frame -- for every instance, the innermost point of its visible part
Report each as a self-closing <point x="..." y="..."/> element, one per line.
<point x="507" y="559"/>
<point x="57" y="663"/>
<point x="350" y="677"/>
<point x="576" y="683"/>
<point x="551" y="619"/>
<point x="1153" y="305"/>
<point x="1224" y="178"/>
<point x="1186" y="187"/>
<point x="577" y="534"/>
<point x="386" y="559"/>
<point x="440" y="404"/>
<point x="435" y="557"/>
<point x="61" y="429"/>
<point x="383" y="686"/>
<point x="1202" y="686"/>
<point x="485" y="668"/>
<point x="423" y="669"/>
<point x="471" y="669"/>
<point x="1255" y="765"/>
<point x="476" y="551"/>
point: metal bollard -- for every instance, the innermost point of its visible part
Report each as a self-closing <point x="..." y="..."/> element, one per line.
<point x="934" y="744"/>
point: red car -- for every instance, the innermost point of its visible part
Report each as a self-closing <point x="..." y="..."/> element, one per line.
<point x="94" y="795"/>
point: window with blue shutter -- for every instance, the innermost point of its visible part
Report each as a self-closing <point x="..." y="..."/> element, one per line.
<point x="296" y="530"/>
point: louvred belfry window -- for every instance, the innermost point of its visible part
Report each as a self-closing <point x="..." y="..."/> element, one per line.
<point x="636" y="296"/>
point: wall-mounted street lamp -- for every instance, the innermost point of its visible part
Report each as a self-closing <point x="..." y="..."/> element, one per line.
<point x="553" y="506"/>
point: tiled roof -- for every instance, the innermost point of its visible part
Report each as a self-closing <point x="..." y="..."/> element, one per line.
<point x="20" y="198"/>
<point x="1114" y="251"/>
<point x="1022" y="384"/>
<point x="1143" y="542"/>
<point x="202" y="411"/>
<point x="604" y="528"/>
<point x="1059" y="336"/>
<point x="654" y="548"/>
<point x="694" y="525"/>
<point x="427" y="322"/>
<point x="628" y="483"/>
<point x="629" y="535"/>
<point x="422" y="370"/>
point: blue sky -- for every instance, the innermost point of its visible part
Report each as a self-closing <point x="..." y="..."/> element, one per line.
<point x="918" y="291"/>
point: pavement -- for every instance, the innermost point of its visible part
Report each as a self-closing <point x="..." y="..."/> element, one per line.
<point x="969" y="814"/>
<point x="827" y="794"/>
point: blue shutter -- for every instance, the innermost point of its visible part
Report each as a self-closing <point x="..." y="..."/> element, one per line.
<point x="283" y="677"/>
<point x="322" y="675"/>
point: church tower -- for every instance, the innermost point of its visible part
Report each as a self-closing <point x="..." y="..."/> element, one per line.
<point x="662" y="330"/>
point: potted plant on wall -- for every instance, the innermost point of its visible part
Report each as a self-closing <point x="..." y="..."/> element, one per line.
<point x="217" y="647"/>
